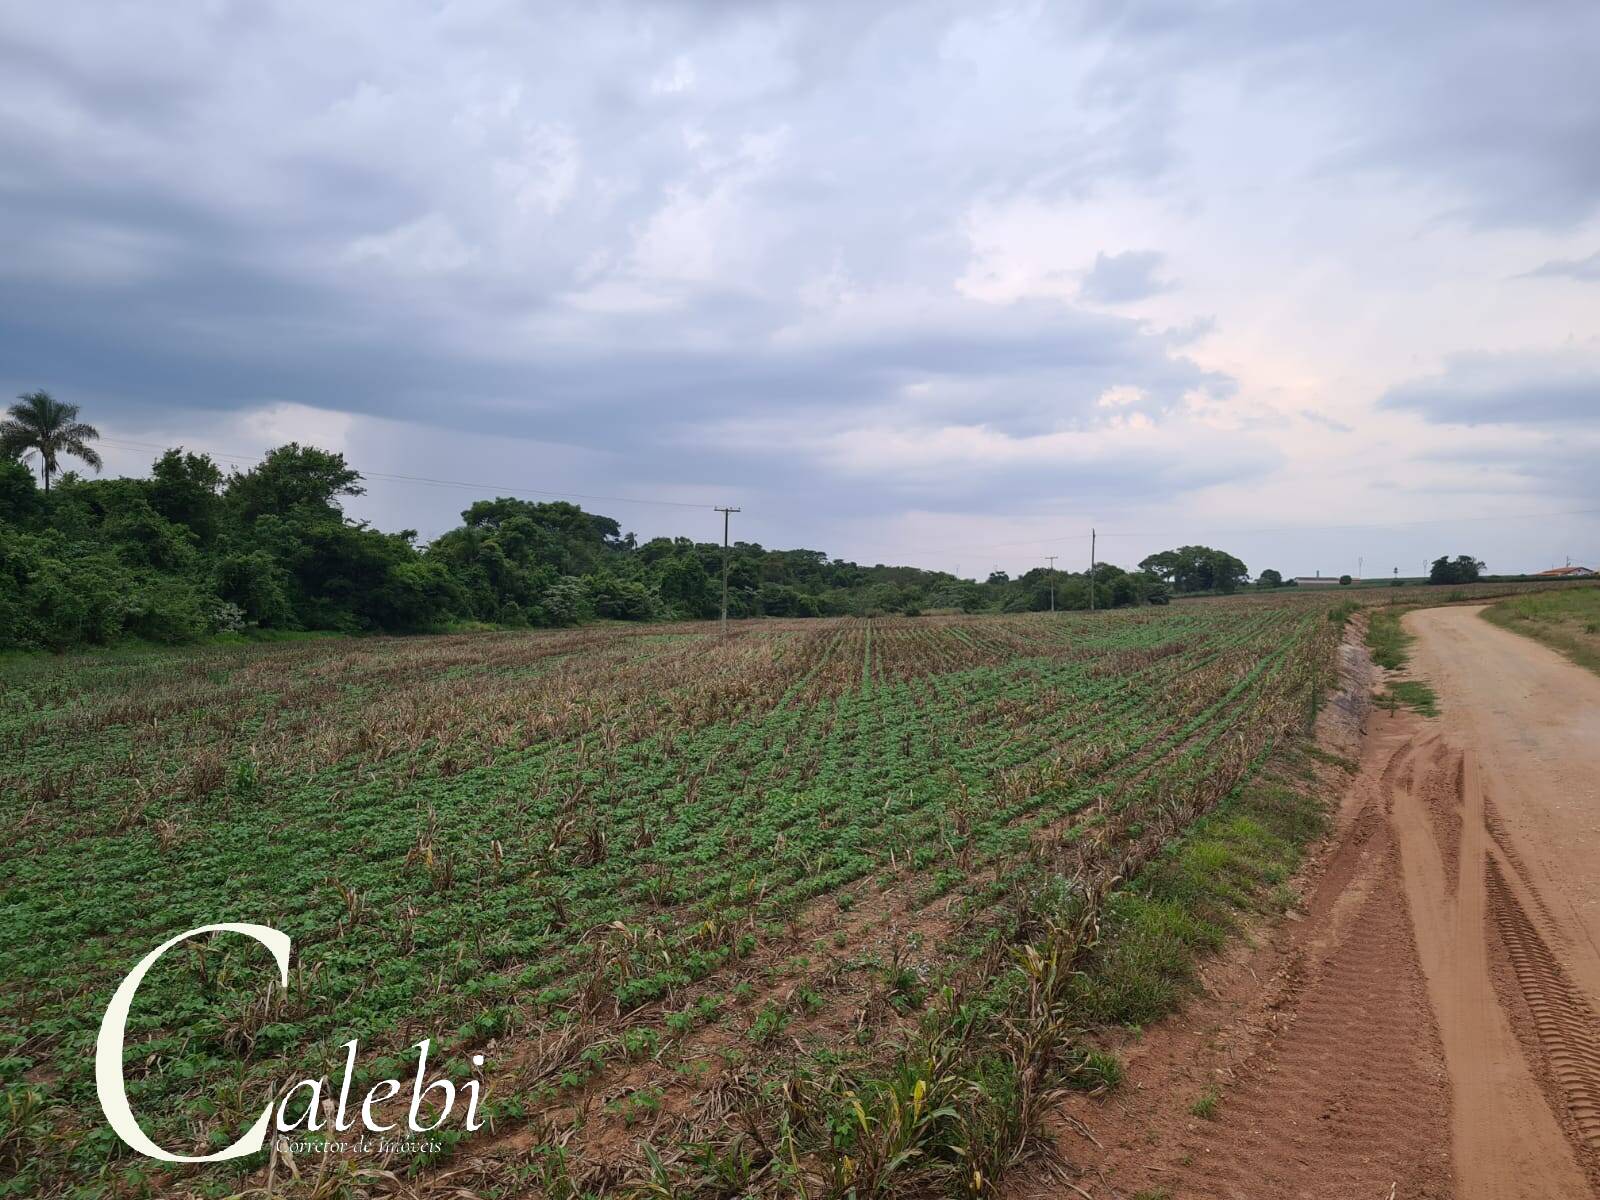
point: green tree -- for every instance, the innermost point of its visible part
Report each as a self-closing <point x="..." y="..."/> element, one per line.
<point x="19" y="495"/>
<point x="184" y="489"/>
<point x="1462" y="569"/>
<point x="1269" y="579"/>
<point x="1197" y="569"/>
<point x="291" y="479"/>
<point x="684" y="584"/>
<point x="40" y="424"/>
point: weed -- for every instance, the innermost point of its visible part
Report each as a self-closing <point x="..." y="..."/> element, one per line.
<point x="1389" y="642"/>
<point x="1097" y="1071"/>
<point x="1413" y="694"/>
<point x="1205" y="1106"/>
<point x="769" y="1023"/>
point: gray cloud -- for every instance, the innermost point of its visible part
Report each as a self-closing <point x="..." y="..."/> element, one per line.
<point x="1583" y="269"/>
<point x="585" y="231"/>
<point x="627" y="230"/>
<point x="1528" y="388"/>
<point x="1120" y="278"/>
<point x="1491" y="106"/>
<point x="1326" y="421"/>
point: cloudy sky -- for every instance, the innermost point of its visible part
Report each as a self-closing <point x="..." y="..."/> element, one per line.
<point x="945" y="284"/>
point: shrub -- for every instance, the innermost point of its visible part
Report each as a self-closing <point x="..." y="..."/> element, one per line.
<point x="256" y="585"/>
<point x="566" y="602"/>
<point x="167" y="610"/>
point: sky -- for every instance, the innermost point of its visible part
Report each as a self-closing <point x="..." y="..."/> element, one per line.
<point x="939" y="284"/>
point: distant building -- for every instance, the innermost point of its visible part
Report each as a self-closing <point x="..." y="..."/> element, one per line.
<point x="1318" y="580"/>
<point x="1568" y="573"/>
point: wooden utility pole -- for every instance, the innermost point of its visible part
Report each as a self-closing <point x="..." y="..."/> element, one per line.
<point x="1051" y="559"/>
<point x="725" y="512"/>
<point x="1091" y="570"/>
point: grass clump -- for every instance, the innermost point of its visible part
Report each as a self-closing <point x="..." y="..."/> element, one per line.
<point x="1184" y="904"/>
<point x="1097" y="1071"/>
<point x="1205" y="1107"/>
<point x="1413" y="694"/>
<point x="1390" y="644"/>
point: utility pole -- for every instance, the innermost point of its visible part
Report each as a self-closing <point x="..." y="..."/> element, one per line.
<point x="1051" y="559"/>
<point x="725" y="512"/>
<point x="1360" y="563"/>
<point x="1091" y="569"/>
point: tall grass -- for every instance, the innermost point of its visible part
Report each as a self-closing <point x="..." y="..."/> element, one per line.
<point x="1567" y="621"/>
<point x="1390" y="644"/>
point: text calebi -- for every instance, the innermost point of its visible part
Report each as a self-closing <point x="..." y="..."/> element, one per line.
<point x="114" y="1095"/>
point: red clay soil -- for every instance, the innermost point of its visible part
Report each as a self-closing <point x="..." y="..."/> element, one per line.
<point x="1427" y="1026"/>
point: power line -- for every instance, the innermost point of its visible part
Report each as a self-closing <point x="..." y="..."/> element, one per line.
<point x="432" y="482"/>
<point x="1091" y="536"/>
<point x="1539" y="516"/>
<point x="726" y="512"/>
<point x="1273" y="529"/>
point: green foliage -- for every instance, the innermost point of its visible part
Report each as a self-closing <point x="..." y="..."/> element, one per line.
<point x="293" y="479"/>
<point x="1197" y="569"/>
<point x="1387" y="640"/>
<point x="189" y="552"/>
<point x="1461" y="569"/>
<point x="1413" y="694"/>
<point x="40" y="425"/>
<point x="184" y="488"/>
<point x="255" y="582"/>
<point x="20" y="502"/>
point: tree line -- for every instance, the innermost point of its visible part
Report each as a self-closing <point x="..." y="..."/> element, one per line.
<point x="193" y="551"/>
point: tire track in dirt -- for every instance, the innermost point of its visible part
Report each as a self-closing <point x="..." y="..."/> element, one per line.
<point x="1432" y="1028"/>
<point x="1331" y="1107"/>
<point x="1319" y="1047"/>
<point x="1566" y="1024"/>
<point x="1506" y="1136"/>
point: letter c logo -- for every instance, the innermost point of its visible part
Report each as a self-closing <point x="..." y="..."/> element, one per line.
<point x="108" y="1050"/>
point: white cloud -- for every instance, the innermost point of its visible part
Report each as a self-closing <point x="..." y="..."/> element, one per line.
<point x="429" y="245"/>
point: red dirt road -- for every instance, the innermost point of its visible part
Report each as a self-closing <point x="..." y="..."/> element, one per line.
<point x="1429" y="1027"/>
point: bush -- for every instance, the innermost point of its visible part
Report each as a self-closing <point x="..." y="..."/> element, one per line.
<point x="257" y="586"/>
<point x="168" y="610"/>
<point x="620" y="599"/>
<point x="72" y="601"/>
<point x="566" y="602"/>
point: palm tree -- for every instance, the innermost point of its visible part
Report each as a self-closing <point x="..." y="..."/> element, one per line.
<point x="39" y="422"/>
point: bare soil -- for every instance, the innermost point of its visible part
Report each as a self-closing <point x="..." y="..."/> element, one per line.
<point x="1426" y="1025"/>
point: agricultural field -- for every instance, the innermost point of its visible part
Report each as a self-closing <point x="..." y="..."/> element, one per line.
<point x="796" y="909"/>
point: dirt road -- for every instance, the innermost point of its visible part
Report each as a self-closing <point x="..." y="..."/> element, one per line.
<point x="1429" y="1027"/>
<point x="1502" y="868"/>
